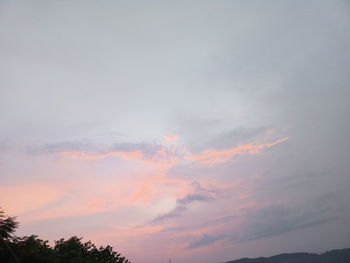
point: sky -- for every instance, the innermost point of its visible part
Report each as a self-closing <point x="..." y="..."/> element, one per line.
<point x="200" y="131"/>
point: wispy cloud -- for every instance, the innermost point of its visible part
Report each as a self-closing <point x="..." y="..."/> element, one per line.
<point x="204" y="240"/>
<point x="277" y="219"/>
<point x="166" y="153"/>
<point x="212" y="157"/>
<point x="162" y="154"/>
<point x="199" y="194"/>
<point x="28" y="196"/>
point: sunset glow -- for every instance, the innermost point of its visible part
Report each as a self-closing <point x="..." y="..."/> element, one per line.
<point x="195" y="131"/>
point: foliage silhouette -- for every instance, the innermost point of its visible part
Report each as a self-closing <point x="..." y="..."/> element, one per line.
<point x="8" y="225"/>
<point x="31" y="249"/>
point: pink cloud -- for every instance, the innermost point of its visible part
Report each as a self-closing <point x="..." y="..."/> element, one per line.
<point x="170" y="139"/>
<point x="96" y="156"/>
<point x="211" y="157"/>
<point x="168" y="155"/>
<point x="163" y="156"/>
<point x="92" y="196"/>
<point x="140" y="183"/>
<point x="137" y="187"/>
<point x="18" y="199"/>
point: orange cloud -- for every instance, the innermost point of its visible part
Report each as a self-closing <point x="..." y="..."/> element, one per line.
<point x="211" y="157"/>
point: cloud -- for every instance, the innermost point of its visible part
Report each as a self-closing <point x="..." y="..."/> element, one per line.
<point x="199" y="194"/>
<point x="165" y="151"/>
<point x="211" y="72"/>
<point x="166" y="155"/>
<point x="194" y="197"/>
<point x="212" y="157"/>
<point x="204" y="240"/>
<point x="21" y="198"/>
<point x="223" y="139"/>
<point x="236" y="136"/>
<point x="258" y="222"/>
<point x="172" y="229"/>
<point x="94" y="150"/>
<point x="277" y="219"/>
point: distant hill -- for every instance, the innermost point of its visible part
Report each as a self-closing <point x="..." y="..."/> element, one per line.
<point x="333" y="256"/>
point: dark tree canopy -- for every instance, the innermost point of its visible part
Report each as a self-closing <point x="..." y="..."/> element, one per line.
<point x="8" y="225"/>
<point x="31" y="249"/>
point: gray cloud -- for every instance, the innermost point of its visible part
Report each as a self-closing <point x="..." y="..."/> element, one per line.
<point x="194" y="197"/>
<point x="148" y="150"/>
<point x="275" y="220"/>
<point x="215" y="134"/>
<point x="204" y="240"/>
<point x="173" y="213"/>
<point x="215" y="72"/>
<point x="278" y="219"/>
<point x="200" y="194"/>
<point x="64" y="146"/>
<point x="172" y="229"/>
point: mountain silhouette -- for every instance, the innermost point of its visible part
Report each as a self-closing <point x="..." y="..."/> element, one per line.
<point x="333" y="256"/>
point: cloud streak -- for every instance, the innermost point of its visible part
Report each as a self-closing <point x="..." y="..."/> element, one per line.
<point x="163" y="154"/>
<point x="91" y="89"/>
<point x="204" y="240"/>
<point x="166" y="152"/>
<point x="199" y="194"/>
<point x="211" y="157"/>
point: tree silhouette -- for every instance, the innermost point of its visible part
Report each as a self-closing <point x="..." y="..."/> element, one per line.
<point x="74" y="250"/>
<point x="31" y="249"/>
<point x="8" y="225"/>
